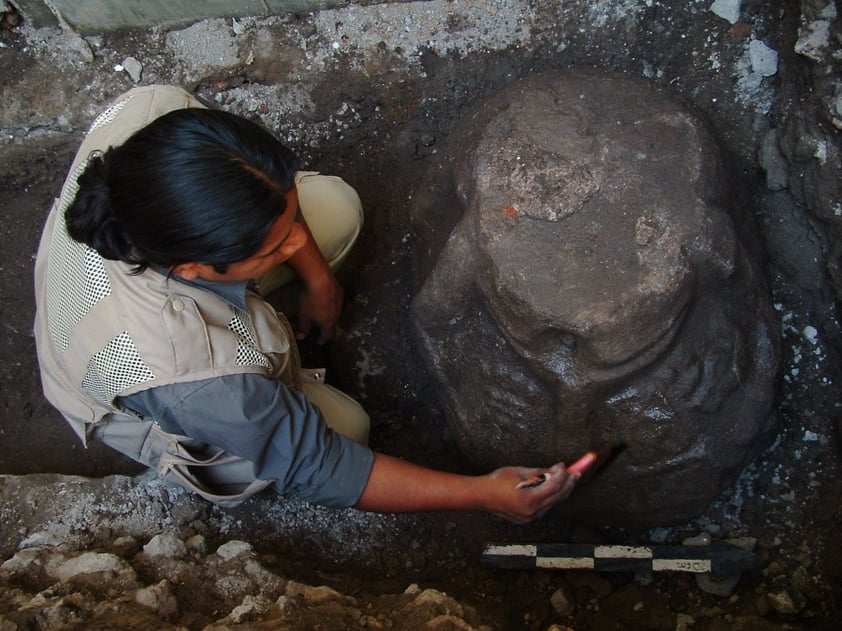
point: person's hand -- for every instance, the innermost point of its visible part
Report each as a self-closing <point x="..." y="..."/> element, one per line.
<point x="321" y="304"/>
<point x="514" y="494"/>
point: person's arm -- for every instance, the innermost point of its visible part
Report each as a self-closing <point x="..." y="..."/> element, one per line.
<point x="268" y="424"/>
<point x="278" y="430"/>
<point x="322" y="301"/>
<point x="399" y="486"/>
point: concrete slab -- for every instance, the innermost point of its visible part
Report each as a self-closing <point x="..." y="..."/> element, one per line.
<point x="93" y="16"/>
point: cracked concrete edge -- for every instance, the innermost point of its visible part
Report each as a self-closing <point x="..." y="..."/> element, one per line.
<point x="96" y="16"/>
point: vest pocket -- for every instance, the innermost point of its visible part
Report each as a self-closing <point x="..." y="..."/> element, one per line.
<point x="212" y="473"/>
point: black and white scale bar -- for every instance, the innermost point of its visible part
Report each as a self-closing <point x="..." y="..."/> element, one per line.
<point x="719" y="558"/>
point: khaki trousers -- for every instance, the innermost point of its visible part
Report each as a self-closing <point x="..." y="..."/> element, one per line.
<point x="334" y="214"/>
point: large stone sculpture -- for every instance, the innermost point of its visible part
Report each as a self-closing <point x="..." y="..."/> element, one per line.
<point x="583" y="282"/>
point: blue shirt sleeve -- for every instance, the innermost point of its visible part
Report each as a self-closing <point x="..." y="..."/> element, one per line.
<point x="276" y="428"/>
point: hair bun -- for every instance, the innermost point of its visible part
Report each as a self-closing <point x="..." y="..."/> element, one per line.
<point x="90" y="218"/>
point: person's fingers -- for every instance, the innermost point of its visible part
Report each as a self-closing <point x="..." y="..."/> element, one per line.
<point x="303" y="328"/>
<point x="563" y="487"/>
<point x="569" y="485"/>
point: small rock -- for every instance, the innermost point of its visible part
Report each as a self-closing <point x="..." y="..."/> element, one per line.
<point x="22" y="562"/>
<point x="233" y="549"/>
<point x="159" y="598"/>
<point x="727" y="9"/>
<point x="252" y="608"/>
<point x="41" y="538"/>
<point x="165" y="546"/>
<point x="764" y="60"/>
<point x="784" y="597"/>
<point x="93" y="563"/>
<point x="702" y="539"/>
<point x="717" y="585"/>
<point x="125" y="547"/>
<point x="322" y="594"/>
<point x="133" y="68"/>
<point x="561" y="602"/>
<point x="683" y="622"/>
<point x="813" y="40"/>
<point x="79" y="46"/>
<point x="432" y="600"/>
<point x="285" y="603"/>
<point x="804" y="583"/>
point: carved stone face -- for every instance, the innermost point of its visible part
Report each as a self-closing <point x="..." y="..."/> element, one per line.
<point x="603" y="228"/>
<point x="595" y="289"/>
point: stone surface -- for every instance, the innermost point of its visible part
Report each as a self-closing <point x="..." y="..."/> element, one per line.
<point x="595" y="289"/>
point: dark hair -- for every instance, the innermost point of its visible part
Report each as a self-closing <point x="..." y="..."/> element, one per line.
<point x="195" y="185"/>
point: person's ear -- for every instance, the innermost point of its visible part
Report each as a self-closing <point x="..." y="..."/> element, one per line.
<point x="189" y="271"/>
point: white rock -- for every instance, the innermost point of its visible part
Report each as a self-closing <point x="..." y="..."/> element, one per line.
<point x="41" y="538"/>
<point x="165" y="546"/>
<point x="93" y="563"/>
<point x="727" y="9"/>
<point x="813" y="40"/>
<point x="134" y="68"/>
<point x="21" y="561"/>
<point x="764" y="60"/>
<point x="232" y="549"/>
<point x="252" y="608"/>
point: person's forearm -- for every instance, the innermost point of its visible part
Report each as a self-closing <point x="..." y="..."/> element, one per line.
<point x="397" y="486"/>
<point x="309" y="263"/>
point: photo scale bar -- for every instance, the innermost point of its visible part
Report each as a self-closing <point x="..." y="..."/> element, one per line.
<point x="719" y="558"/>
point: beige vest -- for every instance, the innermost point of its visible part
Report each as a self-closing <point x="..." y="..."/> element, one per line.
<point x="102" y="333"/>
